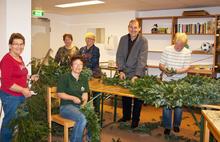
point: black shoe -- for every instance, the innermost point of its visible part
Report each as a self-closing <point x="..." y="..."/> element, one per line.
<point x="122" y="120"/>
<point x="176" y="129"/>
<point x="134" y="125"/>
<point x="167" y="132"/>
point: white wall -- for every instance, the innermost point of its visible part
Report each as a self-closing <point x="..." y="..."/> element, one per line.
<point x="3" y="40"/>
<point x="59" y="25"/>
<point x="114" y="23"/>
<point x="19" y="20"/>
<point x="17" y="15"/>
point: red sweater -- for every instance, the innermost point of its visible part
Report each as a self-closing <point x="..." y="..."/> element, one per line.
<point x="12" y="72"/>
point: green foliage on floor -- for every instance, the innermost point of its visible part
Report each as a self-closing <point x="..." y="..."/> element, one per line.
<point x="189" y="91"/>
<point x="147" y="127"/>
<point x="31" y="123"/>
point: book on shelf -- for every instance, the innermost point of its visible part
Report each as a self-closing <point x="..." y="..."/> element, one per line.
<point x="198" y="28"/>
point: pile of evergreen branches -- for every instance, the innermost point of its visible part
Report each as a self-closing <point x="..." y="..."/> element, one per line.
<point x="189" y="91"/>
<point x="31" y="124"/>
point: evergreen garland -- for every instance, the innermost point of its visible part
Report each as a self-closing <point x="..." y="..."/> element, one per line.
<point x="189" y="91"/>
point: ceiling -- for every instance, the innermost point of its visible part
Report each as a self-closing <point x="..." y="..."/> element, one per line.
<point x="120" y="5"/>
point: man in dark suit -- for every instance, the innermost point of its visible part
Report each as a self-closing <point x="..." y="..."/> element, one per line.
<point x="131" y="60"/>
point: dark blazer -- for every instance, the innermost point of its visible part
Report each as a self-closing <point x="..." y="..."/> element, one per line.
<point x="137" y="59"/>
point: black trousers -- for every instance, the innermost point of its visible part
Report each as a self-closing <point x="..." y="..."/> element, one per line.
<point x="126" y="103"/>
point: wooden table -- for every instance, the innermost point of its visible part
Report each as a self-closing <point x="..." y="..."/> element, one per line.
<point x="97" y="86"/>
<point x="211" y="124"/>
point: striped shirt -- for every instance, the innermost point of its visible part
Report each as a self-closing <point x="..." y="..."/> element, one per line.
<point x="174" y="59"/>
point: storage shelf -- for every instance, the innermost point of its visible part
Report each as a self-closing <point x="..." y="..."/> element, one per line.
<point x="156" y="34"/>
<point x="175" y="20"/>
<point x="188" y="17"/>
<point x="201" y="52"/>
<point x="151" y="18"/>
<point x="212" y="34"/>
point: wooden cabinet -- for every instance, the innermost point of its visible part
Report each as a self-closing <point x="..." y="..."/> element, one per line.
<point x="217" y="44"/>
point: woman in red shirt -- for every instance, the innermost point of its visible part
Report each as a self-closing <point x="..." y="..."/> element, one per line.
<point x="14" y="88"/>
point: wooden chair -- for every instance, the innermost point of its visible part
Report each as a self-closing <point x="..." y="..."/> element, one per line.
<point x="51" y="93"/>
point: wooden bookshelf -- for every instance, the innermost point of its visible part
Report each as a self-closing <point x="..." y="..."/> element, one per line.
<point x="190" y="17"/>
<point x="156" y="34"/>
<point x="175" y="20"/>
<point x="152" y="18"/>
<point x="201" y="52"/>
<point x="202" y="34"/>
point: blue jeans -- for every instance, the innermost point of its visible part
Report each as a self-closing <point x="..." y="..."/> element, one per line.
<point x="10" y="104"/>
<point x="167" y="117"/>
<point x="73" y="113"/>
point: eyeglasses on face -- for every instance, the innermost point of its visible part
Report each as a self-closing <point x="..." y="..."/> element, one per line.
<point x="18" y="44"/>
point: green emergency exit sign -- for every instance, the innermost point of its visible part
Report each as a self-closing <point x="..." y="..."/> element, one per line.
<point x="37" y="13"/>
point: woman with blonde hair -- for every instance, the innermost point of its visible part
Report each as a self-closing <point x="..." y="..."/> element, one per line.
<point x="174" y="64"/>
<point x="90" y="53"/>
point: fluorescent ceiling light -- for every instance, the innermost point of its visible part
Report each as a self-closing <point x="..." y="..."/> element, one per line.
<point x="76" y="4"/>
